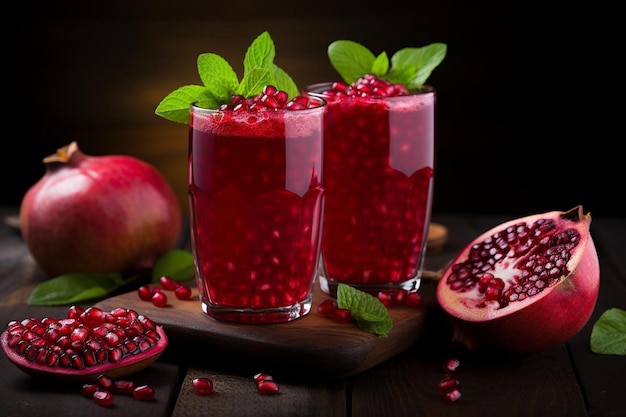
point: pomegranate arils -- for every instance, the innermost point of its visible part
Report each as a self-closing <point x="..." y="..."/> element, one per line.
<point x="327" y="308"/>
<point x="89" y="389"/>
<point x="451" y="365"/>
<point x="269" y="99"/>
<point x="143" y="393"/>
<point x="368" y="86"/>
<point x="159" y="299"/>
<point x="544" y="267"/>
<point x="202" y="386"/>
<point x="447" y="384"/>
<point x="145" y="292"/>
<point x="167" y="283"/>
<point x="267" y="387"/>
<point x="103" y="398"/>
<point x="124" y="387"/>
<point x="183" y="292"/>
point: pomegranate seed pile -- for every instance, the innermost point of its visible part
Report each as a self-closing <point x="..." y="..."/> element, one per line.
<point x="541" y="253"/>
<point x="86" y="338"/>
<point x="367" y="86"/>
<point x="270" y="99"/>
<point x="158" y="297"/>
<point x="102" y="391"/>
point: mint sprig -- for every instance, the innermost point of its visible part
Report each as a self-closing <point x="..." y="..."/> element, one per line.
<point x="608" y="335"/>
<point x="220" y="81"/>
<point x="369" y="312"/>
<point x="410" y="67"/>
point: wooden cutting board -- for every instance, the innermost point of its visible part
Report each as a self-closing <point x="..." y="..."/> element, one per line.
<point x="311" y="343"/>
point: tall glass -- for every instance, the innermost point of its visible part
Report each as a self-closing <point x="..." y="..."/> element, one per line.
<point x="379" y="170"/>
<point x="256" y="204"/>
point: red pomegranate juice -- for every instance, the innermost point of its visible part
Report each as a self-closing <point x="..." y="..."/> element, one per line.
<point x="378" y="172"/>
<point x="256" y="205"/>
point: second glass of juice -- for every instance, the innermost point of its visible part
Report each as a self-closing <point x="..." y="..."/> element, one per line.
<point x="256" y="204"/>
<point x="379" y="169"/>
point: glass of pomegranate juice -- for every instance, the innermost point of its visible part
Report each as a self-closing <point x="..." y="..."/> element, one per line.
<point x="378" y="172"/>
<point x="256" y="205"/>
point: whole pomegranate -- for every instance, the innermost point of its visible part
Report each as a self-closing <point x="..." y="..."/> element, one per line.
<point x="526" y="285"/>
<point x="98" y="214"/>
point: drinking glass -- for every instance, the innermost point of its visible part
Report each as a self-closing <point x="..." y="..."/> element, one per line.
<point x="256" y="204"/>
<point x="378" y="172"/>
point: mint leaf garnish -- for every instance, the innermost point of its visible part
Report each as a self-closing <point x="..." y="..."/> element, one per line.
<point x="74" y="288"/>
<point x="409" y="66"/>
<point x="220" y="81"/>
<point x="608" y="335"/>
<point x="368" y="311"/>
<point x="176" y="264"/>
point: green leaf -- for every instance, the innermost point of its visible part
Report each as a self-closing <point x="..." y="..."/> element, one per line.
<point x="350" y="59"/>
<point x="285" y="82"/>
<point x="409" y="66"/>
<point x="176" y="264"/>
<point x="220" y="82"/>
<point x="381" y="65"/>
<point x="413" y="66"/>
<point x="218" y="76"/>
<point x="368" y="311"/>
<point x="175" y="106"/>
<point x="254" y="81"/>
<point x="74" y="288"/>
<point x="260" y="54"/>
<point x="608" y="335"/>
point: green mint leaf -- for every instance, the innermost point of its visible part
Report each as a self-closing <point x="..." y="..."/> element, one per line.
<point x="409" y="66"/>
<point x="608" y="335"/>
<point x="176" y="264"/>
<point x="175" y="106"/>
<point x="413" y="66"/>
<point x="260" y="54"/>
<point x="218" y="76"/>
<point x="220" y="82"/>
<point x="254" y="81"/>
<point x="74" y="288"/>
<point x="380" y="65"/>
<point x="350" y="59"/>
<point x="285" y="82"/>
<point x="368" y="311"/>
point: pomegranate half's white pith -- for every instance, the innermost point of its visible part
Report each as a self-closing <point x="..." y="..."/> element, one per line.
<point x="526" y="285"/>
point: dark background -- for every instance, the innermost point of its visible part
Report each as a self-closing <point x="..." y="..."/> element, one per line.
<point x="528" y="108"/>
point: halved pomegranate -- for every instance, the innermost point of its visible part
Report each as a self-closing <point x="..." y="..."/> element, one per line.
<point x="526" y="285"/>
<point x="85" y="345"/>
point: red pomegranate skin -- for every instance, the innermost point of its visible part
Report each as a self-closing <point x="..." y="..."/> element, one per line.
<point x="541" y="322"/>
<point x="99" y="214"/>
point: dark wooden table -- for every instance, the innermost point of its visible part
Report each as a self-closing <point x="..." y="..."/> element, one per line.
<point x="568" y="380"/>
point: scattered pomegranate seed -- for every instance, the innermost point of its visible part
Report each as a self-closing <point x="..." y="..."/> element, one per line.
<point x="451" y="365"/>
<point x="267" y="387"/>
<point x="123" y="387"/>
<point x="342" y="315"/>
<point x="414" y="300"/>
<point x="447" y="384"/>
<point x="159" y="299"/>
<point x="262" y="377"/>
<point x="143" y="393"/>
<point x="202" y="386"/>
<point x="452" y="396"/>
<point x="145" y="292"/>
<point x="183" y="292"/>
<point x="104" y="382"/>
<point x="327" y="307"/>
<point x="167" y="283"/>
<point x="89" y="389"/>
<point x="103" y="398"/>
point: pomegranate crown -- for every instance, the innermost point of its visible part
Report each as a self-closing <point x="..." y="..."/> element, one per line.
<point x="410" y="67"/>
<point x="221" y="83"/>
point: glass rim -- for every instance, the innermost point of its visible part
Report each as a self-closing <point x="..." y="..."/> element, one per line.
<point x="324" y="85"/>
<point x="322" y="103"/>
